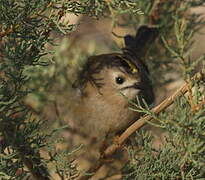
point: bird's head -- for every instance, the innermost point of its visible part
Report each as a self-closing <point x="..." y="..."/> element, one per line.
<point x="114" y="75"/>
<point x="110" y="75"/>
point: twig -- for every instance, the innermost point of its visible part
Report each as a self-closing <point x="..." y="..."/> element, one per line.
<point x="139" y="123"/>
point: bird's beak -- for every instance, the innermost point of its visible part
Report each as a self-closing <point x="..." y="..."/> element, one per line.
<point x="136" y="85"/>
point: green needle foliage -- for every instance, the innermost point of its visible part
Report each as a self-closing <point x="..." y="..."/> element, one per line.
<point x="25" y="30"/>
<point x="31" y="66"/>
<point x="181" y="156"/>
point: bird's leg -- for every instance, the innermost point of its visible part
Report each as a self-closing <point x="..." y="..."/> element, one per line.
<point x="104" y="145"/>
<point x="116" y="140"/>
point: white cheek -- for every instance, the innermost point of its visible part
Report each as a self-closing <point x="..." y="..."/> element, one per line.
<point x="130" y="93"/>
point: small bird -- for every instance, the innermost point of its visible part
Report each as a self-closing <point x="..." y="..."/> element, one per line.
<point x="107" y="84"/>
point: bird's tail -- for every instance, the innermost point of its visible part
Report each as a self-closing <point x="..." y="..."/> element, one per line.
<point x="139" y="45"/>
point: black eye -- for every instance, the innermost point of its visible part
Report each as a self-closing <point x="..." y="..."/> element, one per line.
<point x="119" y="80"/>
